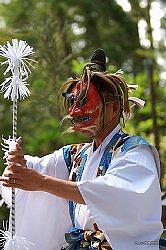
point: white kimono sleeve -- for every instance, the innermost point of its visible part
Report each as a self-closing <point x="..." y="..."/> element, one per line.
<point x="42" y="218"/>
<point x="125" y="202"/>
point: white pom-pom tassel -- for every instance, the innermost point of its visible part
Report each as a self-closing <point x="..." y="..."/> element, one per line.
<point x="9" y="242"/>
<point x="16" y="53"/>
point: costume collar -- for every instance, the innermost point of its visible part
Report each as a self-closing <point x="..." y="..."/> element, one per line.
<point x="107" y="139"/>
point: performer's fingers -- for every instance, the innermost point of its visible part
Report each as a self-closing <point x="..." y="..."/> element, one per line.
<point x="16" y="153"/>
<point x="18" y="172"/>
<point x="18" y="143"/>
<point x="11" y="172"/>
<point x="14" y="159"/>
<point x="7" y="174"/>
<point x="6" y="184"/>
<point x="15" y="167"/>
<point x="3" y="178"/>
<point x="22" y="163"/>
<point x="10" y="176"/>
<point x="12" y="183"/>
<point x="7" y="180"/>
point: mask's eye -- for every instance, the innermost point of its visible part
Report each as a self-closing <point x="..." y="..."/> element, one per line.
<point x="70" y="99"/>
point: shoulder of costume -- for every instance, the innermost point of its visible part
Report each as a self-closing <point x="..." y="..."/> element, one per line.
<point x="132" y="141"/>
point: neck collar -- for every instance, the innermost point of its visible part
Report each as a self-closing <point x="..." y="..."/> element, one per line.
<point x="107" y="138"/>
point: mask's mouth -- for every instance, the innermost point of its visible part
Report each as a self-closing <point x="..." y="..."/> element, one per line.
<point x="83" y="124"/>
<point x="80" y="119"/>
<point x="77" y="119"/>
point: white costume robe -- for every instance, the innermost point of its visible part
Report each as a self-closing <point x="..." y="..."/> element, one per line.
<point x="125" y="202"/>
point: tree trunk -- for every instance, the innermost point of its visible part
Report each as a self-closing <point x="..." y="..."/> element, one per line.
<point x="151" y="63"/>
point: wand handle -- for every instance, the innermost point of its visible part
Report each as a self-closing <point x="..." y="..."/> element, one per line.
<point x="13" y="189"/>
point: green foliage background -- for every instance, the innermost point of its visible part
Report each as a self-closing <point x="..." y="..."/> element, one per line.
<point x="63" y="34"/>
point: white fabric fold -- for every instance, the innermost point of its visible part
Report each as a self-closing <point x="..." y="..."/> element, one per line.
<point x="125" y="202"/>
<point x="42" y="218"/>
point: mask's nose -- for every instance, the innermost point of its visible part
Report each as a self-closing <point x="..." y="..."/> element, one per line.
<point x="74" y="110"/>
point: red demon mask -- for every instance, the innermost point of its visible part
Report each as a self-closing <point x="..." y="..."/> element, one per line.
<point x="83" y="104"/>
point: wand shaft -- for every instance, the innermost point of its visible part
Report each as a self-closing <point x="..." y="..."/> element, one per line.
<point x="13" y="189"/>
<point x="15" y="119"/>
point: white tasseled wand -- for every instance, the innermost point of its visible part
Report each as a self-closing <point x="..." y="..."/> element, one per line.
<point x="14" y="87"/>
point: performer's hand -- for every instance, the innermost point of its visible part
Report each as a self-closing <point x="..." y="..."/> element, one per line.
<point x="15" y="154"/>
<point x="17" y="176"/>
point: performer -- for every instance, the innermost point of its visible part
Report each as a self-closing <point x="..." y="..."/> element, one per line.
<point x="99" y="195"/>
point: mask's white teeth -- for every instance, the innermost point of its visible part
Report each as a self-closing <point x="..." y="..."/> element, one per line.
<point x="82" y="119"/>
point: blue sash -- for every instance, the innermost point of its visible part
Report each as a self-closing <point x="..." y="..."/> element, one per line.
<point x="126" y="142"/>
